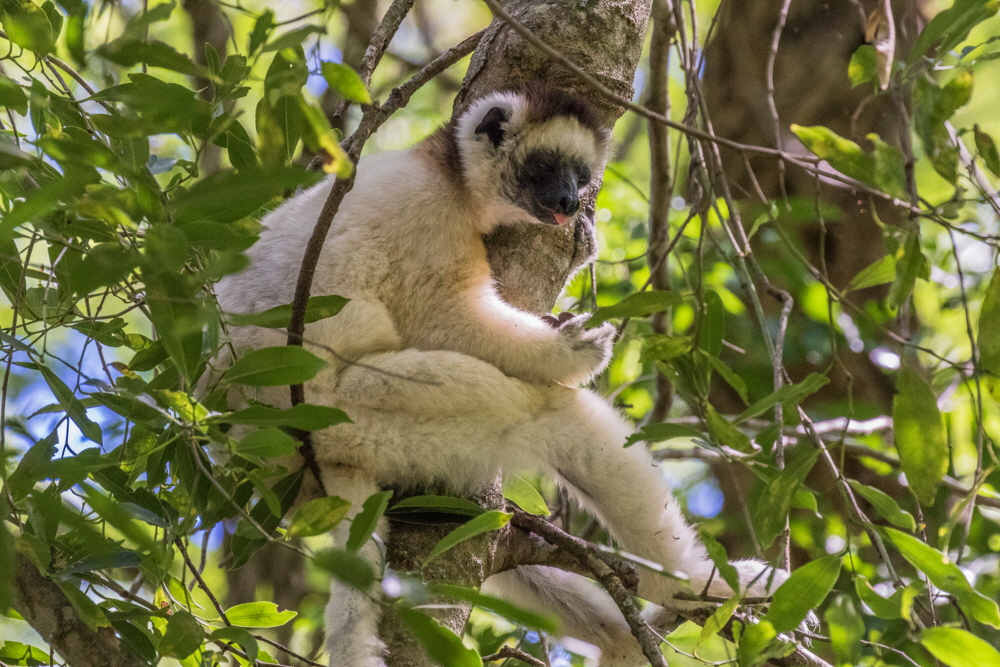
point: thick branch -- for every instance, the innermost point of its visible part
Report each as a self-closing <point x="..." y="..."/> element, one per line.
<point x="47" y="609"/>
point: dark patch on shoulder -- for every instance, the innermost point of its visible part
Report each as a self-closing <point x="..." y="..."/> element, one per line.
<point x="440" y="149"/>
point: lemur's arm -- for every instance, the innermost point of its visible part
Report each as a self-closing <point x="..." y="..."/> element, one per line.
<point x="520" y="344"/>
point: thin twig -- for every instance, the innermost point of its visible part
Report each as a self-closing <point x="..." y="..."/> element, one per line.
<point x="507" y="653"/>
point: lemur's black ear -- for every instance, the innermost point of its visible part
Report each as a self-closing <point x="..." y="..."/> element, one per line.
<point x="492" y="125"/>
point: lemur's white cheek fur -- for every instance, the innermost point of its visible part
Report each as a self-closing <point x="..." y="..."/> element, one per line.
<point x="453" y="385"/>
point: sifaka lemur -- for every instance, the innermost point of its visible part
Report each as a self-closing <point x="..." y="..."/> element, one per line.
<point x="454" y="385"/>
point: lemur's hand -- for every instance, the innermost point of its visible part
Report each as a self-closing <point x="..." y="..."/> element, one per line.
<point x="593" y="344"/>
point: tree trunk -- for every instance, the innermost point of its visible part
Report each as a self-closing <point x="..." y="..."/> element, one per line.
<point x="532" y="263"/>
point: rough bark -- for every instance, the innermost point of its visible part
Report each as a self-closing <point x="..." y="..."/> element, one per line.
<point x="531" y="262"/>
<point x="47" y="609"/>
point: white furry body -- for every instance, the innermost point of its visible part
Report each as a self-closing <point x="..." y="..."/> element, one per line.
<point x="475" y="387"/>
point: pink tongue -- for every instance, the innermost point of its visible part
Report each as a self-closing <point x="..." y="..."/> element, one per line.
<point x="560" y="218"/>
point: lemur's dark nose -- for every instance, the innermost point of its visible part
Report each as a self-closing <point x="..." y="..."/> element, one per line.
<point x="569" y="205"/>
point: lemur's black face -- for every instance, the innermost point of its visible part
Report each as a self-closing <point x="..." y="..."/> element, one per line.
<point x="546" y="183"/>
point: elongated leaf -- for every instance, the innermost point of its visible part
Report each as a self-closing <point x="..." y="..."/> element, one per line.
<point x="436" y="505"/>
<point x="286" y="490"/>
<point x="920" y="435"/>
<point x="881" y="168"/>
<point x="258" y="615"/>
<point x="719" y="618"/>
<point x="790" y="394"/>
<point x="772" y="507"/>
<point x="805" y="590"/>
<point x="364" y="524"/>
<point x="945" y="575"/>
<point x="246" y="641"/>
<point x="861" y="69"/>
<point x="847" y="629"/>
<point x="183" y="636"/>
<point x="661" y="431"/>
<point x="951" y="26"/>
<point x="959" y="648"/>
<point x="987" y="149"/>
<point x="639" y="304"/>
<point x="71" y="404"/>
<point x="32" y="466"/>
<point x="303" y="416"/>
<point x="730" y="376"/>
<point x="294" y="38"/>
<point x="879" y="272"/>
<point x="885" y="505"/>
<point x="720" y="558"/>
<point x="442" y="645"/>
<point x="504" y="608"/>
<point x="8" y="568"/>
<point x="347" y="567"/>
<point x="318" y="516"/>
<point x="346" y="81"/>
<point x="484" y="523"/>
<point x="989" y="336"/>
<point x="520" y="491"/>
<point x="659" y="347"/>
<point x="727" y="434"/>
<point x="317" y="308"/>
<point x="275" y="366"/>
<point x="880" y="606"/>
<point x="713" y="323"/>
<point x="128" y="52"/>
<point x="910" y="266"/>
<point x="265" y="443"/>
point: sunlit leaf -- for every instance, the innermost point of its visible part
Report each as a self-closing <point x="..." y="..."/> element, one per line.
<point x="879" y="272"/>
<point x="246" y="641"/>
<point x="919" y="434"/>
<point x="521" y="492"/>
<point x="258" y="615"/>
<point x="266" y="443"/>
<point x="772" y="507"/>
<point x="366" y="522"/>
<point x="318" y="516"/>
<point x="885" y="505"/>
<point x="183" y="636"/>
<point x="805" y="590"/>
<point x="484" y="523"/>
<point x="847" y="629"/>
<point x="346" y="81"/>
<point x="989" y="336"/>
<point x="303" y="416"/>
<point x="274" y="366"/>
<point x="987" y="149"/>
<point x="956" y="647"/>
<point x="442" y="645"/>
<point x="317" y="308"/>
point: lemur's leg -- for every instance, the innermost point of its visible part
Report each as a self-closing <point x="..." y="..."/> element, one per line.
<point x="352" y="617"/>
<point x="582" y="439"/>
<point x="585" y="610"/>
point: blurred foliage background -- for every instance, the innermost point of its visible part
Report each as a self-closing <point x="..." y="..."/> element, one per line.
<point x="140" y="141"/>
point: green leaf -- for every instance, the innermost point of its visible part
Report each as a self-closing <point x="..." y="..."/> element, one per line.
<point x="989" y="336"/>
<point x="910" y="266"/>
<point x="945" y="575"/>
<point x="885" y="505"/>
<point x="12" y="96"/>
<point x="31" y="467"/>
<point x="521" y="492"/>
<point x="104" y="561"/>
<point x="861" y="69"/>
<point x="266" y="443"/>
<point x="879" y="272"/>
<point x="318" y="516"/>
<point x="347" y="567"/>
<point x="504" y="608"/>
<point x="23" y="655"/>
<point x="71" y="404"/>
<point x="660" y="347"/>
<point x="317" y="308"/>
<point x="919" y="434"/>
<point x="790" y="395"/>
<point x="183" y="636"/>
<point x="275" y="366"/>
<point x="880" y="606"/>
<point x="987" y="149"/>
<point x="730" y="376"/>
<point x="959" y="648"/>
<point x="286" y="490"/>
<point x="712" y="327"/>
<point x="258" y="615"/>
<point x="448" y="505"/>
<point x="805" y="590"/>
<point x="725" y="433"/>
<point x="484" y="523"/>
<point x="129" y="52"/>
<point x="720" y="558"/>
<point x="28" y="26"/>
<point x="881" y="168"/>
<point x="639" y="304"/>
<point x="661" y="431"/>
<point x="239" y="636"/>
<point x="442" y="645"/>
<point x="772" y="507"/>
<point x="951" y="26"/>
<point x="262" y="28"/>
<point x="303" y="416"/>
<point x="346" y="81"/>
<point x="847" y="629"/>
<point x="294" y="38"/>
<point x="8" y="568"/>
<point x="227" y="196"/>
<point x="365" y="523"/>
